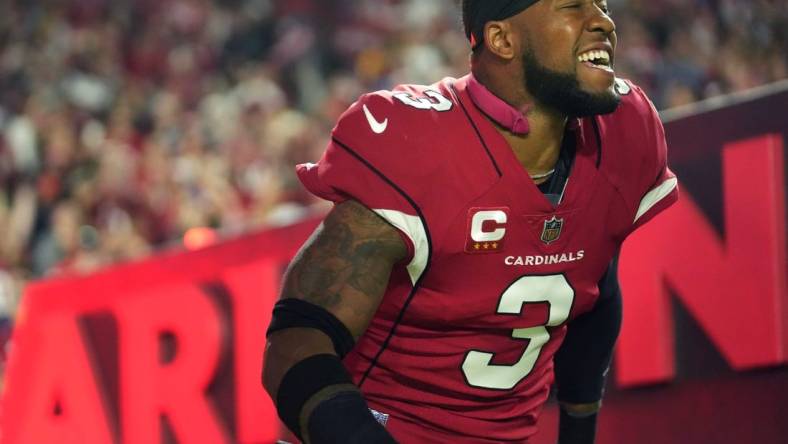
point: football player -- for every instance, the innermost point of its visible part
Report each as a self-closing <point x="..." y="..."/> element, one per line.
<point x="476" y="228"/>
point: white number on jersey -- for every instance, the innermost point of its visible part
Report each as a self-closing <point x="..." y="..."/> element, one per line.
<point x="433" y="100"/>
<point x="554" y="290"/>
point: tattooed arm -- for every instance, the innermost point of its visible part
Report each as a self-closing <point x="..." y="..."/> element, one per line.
<point x="344" y="267"/>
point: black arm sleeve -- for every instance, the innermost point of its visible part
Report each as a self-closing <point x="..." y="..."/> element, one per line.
<point x="582" y="362"/>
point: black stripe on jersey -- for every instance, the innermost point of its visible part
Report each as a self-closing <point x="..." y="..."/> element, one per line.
<point x="417" y="285"/>
<point x="475" y="128"/>
<point x="598" y="142"/>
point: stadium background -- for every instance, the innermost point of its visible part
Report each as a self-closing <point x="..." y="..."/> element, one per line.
<point x="129" y="128"/>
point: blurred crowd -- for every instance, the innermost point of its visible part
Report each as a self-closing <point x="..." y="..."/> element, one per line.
<point x="127" y="125"/>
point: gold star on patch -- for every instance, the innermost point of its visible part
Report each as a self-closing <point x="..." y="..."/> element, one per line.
<point x="495" y="245"/>
<point x="486" y="246"/>
<point x="477" y="246"/>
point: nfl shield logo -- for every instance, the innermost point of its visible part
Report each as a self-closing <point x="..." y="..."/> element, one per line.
<point x="552" y="230"/>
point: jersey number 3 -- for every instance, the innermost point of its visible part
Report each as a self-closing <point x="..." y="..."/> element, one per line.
<point x="432" y="100"/>
<point x="554" y="290"/>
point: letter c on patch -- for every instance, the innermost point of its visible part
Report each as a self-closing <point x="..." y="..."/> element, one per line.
<point x="477" y="226"/>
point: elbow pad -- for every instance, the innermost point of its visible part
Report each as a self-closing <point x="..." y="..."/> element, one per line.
<point x="582" y="362"/>
<point x="296" y="313"/>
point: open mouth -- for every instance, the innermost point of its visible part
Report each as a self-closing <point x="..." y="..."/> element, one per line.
<point x="597" y="58"/>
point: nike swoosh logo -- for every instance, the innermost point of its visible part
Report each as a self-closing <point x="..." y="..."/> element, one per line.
<point x="377" y="127"/>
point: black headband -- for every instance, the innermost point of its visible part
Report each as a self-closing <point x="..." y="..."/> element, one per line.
<point x="480" y="12"/>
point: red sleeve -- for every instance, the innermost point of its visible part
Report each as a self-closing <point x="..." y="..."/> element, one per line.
<point x="658" y="188"/>
<point x="367" y="167"/>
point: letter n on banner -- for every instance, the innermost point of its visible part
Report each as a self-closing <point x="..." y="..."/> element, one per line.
<point x="735" y="287"/>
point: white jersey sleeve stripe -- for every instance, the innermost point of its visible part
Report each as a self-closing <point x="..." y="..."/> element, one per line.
<point x="655" y="195"/>
<point x="413" y="227"/>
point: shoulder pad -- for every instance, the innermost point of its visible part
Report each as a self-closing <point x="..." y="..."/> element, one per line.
<point x="406" y="121"/>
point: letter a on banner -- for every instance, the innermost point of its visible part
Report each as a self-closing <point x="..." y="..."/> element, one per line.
<point x="54" y="394"/>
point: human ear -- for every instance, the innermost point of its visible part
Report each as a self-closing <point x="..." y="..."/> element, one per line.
<point x="499" y="39"/>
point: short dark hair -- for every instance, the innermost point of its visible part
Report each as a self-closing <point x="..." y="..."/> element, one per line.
<point x="476" y="14"/>
<point x="467" y="21"/>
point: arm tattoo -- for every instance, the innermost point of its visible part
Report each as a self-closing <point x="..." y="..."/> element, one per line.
<point x="345" y="265"/>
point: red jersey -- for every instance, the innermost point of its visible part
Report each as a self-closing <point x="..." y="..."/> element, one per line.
<point x="461" y="348"/>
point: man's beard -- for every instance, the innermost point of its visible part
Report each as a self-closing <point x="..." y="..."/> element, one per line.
<point x="562" y="92"/>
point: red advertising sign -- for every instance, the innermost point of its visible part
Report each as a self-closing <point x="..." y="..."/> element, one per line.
<point x="169" y="349"/>
<point x="733" y="284"/>
<point x="166" y="350"/>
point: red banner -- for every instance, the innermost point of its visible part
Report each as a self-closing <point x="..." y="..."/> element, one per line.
<point x="169" y="349"/>
<point x="734" y="285"/>
<point x="166" y="350"/>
